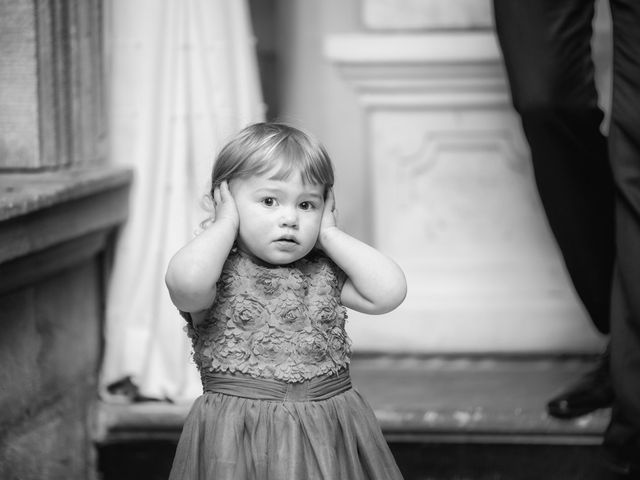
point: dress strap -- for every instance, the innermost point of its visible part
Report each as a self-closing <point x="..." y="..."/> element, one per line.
<point x="240" y="385"/>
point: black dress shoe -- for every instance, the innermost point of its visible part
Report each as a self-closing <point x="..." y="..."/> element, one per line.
<point x="622" y="460"/>
<point x="591" y="392"/>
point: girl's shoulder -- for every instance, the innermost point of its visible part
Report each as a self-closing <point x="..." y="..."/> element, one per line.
<point x="317" y="258"/>
<point x="319" y="265"/>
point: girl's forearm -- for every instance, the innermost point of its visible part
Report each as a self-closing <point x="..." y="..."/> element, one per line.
<point x="379" y="283"/>
<point x="194" y="270"/>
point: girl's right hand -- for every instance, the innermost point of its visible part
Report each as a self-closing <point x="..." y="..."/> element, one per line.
<point x="225" y="205"/>
<point x="194" y="271"/>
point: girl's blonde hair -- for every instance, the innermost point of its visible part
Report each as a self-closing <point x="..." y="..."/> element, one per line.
<point x="273" y="147"/>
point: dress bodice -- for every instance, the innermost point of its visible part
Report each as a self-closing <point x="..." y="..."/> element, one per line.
<point x="283" y="322"/>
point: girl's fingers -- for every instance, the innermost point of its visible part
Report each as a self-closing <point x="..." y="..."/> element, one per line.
<point x="224" y="190"/>
<point x="329" y="214"/>
<point x="225" y="206"/>
<point x="331" y="200"/>
<point x="217" y="197"/>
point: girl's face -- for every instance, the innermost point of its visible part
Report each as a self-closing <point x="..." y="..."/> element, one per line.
<point x="279" y="219"/>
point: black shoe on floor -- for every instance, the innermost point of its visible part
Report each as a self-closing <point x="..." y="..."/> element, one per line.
<point x="591" y="392"/>
<point x="622" y="461"/>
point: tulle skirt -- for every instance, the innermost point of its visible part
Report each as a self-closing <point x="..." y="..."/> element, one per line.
<point x="245" y="428"/>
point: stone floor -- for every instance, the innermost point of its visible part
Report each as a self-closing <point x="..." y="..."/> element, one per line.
<point x="474" y="397"/>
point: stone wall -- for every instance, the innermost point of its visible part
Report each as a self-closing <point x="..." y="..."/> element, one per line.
<point x="55" y="230"/>
<point x="60" y="207"/>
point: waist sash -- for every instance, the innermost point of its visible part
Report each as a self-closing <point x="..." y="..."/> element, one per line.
<point x="246" y="386"/>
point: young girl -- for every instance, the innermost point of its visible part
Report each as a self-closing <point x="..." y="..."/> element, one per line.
<point x="264" y="290"/>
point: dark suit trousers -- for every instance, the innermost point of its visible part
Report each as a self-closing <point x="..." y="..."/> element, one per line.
<point x="589" y="184"/>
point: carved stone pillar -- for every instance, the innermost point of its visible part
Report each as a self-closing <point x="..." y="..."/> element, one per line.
<point x="452" y="191"/>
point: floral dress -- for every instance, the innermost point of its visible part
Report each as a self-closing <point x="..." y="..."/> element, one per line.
<point x="278" y="403"/>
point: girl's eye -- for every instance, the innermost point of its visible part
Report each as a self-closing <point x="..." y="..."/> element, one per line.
<point x="306" y="206"/>
<point x="269" y="201"/>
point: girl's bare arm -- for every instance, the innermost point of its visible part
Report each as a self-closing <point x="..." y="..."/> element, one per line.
<point x="194" y="270"/>
<point x="375" y="283"/>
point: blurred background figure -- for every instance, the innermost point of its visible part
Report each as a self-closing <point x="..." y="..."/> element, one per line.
<point x="183" y="76"/>
<point x="581" y="173"/>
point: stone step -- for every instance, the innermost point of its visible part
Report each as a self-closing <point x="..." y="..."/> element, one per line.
<point x="444" y="418"/>
<point x="475" y="399"/>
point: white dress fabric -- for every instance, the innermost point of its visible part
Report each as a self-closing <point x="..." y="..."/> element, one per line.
<point x="182" y="78"/>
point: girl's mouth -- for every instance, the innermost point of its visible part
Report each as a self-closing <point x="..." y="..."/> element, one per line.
<point x="287" y="239"/>
<point x="286" y="243"/>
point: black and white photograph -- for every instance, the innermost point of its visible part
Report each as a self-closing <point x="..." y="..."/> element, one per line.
<point x="319" y="239"/>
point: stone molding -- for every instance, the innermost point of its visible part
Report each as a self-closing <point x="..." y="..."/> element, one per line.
<point x="421" y="70"/>
<point x="426" y="14"/>
<point x="51" y="220"/>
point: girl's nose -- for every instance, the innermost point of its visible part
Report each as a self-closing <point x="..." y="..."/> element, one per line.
<point x="289" y="217"/>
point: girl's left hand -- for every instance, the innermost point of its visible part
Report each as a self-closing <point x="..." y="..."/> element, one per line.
<point x="328" y="216"/>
